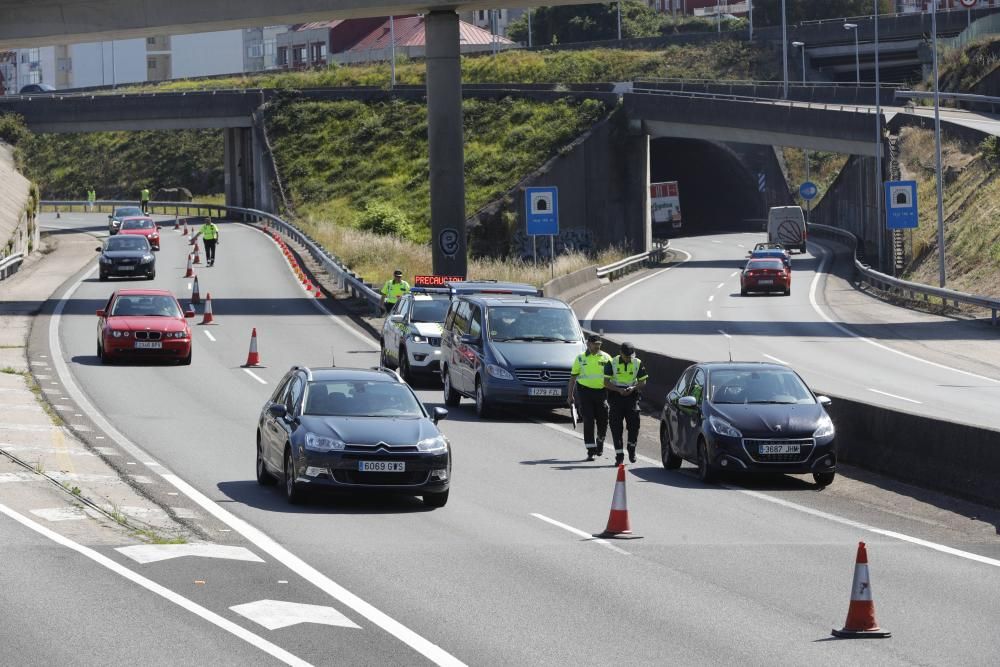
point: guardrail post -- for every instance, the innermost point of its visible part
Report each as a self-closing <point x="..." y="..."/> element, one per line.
<point x="994" y="319"/>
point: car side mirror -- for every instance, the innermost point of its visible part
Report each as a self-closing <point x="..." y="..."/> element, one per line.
<point x="823" y="400"/>
<point x="396" y="319"/>
<point x="469" y="339"/>
<point x="439" y="414"/>
<point x="98" y="248"/>
<point x="688" y="402"/>
<point x="277" y="410"/>
<point x="100" y="313"/>
<point x="110" y="216"/>
<point x="188" y="313"/>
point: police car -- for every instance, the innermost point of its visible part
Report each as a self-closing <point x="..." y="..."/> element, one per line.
<point x="411" y="334"/>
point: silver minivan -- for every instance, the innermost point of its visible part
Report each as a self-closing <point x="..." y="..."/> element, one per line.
<point x="787" y="225"/>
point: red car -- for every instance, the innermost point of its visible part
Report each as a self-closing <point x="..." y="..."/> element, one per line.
<point x="766" y="275"/>
<point x="142" y="226"/>
<point x="143" y="323"/>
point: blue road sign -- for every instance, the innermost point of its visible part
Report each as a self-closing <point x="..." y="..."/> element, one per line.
<point x="542" y="211"/>
<point x="901" y="204"/>
<point x="808" y="190"/>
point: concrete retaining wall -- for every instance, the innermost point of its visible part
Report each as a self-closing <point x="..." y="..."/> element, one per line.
<point x="954" y="458"/>
<point x="574" y="284"/>
<point x="17" y="234"/>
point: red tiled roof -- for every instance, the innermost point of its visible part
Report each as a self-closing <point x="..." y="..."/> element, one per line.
<point x="317" y="24"/>
<point x="411" y="31"/>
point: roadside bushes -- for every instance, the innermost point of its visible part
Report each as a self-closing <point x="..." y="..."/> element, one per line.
<point x="383" y="218"/>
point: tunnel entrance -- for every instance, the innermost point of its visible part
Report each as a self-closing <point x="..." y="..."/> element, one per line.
<point x="717" y="191"/>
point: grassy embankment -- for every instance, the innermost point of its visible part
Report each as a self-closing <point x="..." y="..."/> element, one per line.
<point x="823" y="170"/>
<point x="377" y="154"/>
<point x="971" y="213"/>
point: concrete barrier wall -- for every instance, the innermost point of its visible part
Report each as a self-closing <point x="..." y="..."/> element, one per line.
<point x="574" y="284"/>
<point x="954" y="458"/>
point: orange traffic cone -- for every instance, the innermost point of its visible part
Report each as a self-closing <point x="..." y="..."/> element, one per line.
<point x="319" y="293"/>
<point x="186" y="232"/>
<point x="207" y="318"/>
<point x="197" y="254"/>
<point x="195" y="295"/>
<point x="190" y="270"/>
<point x="253" y="359"/>
<point x="861" y="613"/>
<point x="309" y="285"/>
<point x="177" y="223"/>
<point x="618" y="520"/>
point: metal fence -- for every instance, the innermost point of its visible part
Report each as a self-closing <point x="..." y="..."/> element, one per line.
<point x="904" y="288"/>
<point x="10" y="264"/>
<point x="987" y="25"/>
<point x="623" y="266"/>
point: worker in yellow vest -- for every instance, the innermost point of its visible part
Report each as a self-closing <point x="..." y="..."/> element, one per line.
<point x="624" y="377"/>
<point x="144" y="199"/>
<point x="393" y="289"/>
<point x="586" y="383"/>
<point x="209" y="233"/>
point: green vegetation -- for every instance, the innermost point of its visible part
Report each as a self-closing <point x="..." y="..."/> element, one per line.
<point x="719" y="60"/>
<point x="372" y="168"/>
<point x="823" y="170"/>
<point x="119" y="164"/>
<point x="971" y="209"/>
<point x="12" y="129"/>
<point x="768" y="12"/>
<point x="962" y="69"/>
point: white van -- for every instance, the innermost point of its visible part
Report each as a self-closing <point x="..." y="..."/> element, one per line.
<point x="786" y="225"/>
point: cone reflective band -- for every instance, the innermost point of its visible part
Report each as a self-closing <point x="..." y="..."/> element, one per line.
<point x="190" y="271"/>
<point x="618" y="523"/>
<point x="195" y="296"/>
<point x="861" y="612"/>
<point x="208" y="319"/>
<point x="253" y="359"/>
<point x="177" y="223"/>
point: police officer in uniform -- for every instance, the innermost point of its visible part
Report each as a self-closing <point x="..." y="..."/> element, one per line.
<point x="588" y="374"/>
<point x="209" y="233"/>
<point x="144" y="199"/>
<point x="624" y="377"/>
<point x="393" y="289"/>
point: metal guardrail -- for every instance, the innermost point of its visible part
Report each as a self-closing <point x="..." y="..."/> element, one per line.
<point x="347" y="280"/>
<point x="615" y="269"/>
<point x="961" y="97"/>
<point x="10" y="264"/>
<point x="759" y="82"/>
<point x="894" y="15"/>
<point x="904" y="287"/>
<point x="828" y="106"/>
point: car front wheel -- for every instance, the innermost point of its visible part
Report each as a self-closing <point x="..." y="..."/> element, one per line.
<point x="670" y="460"/>
<point x="264" y="477"/>
<point x="483" y="408"/>
<point x="823" y="478"/>
<point x="451" y="397"/>
<point x="293" y="492"/>
<point x="404" y="365"/>
<point x="705" y="472"/>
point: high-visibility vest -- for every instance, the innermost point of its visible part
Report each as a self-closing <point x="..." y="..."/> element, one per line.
<point x="144" y="195"/>
<point x="393" y="290"/>
<point x="624" y="375"/>
<point x="209" y="231"/>
<point x="589" y="369"/>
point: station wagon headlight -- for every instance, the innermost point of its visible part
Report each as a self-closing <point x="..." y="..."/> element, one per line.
<point x="321" y="443"/>
<point x="499" y="372"/>
<point x="146" y="259"/>
<point x="435" y="444"/>
<point x="825" y="427"/>
<point x="722" y="427"/>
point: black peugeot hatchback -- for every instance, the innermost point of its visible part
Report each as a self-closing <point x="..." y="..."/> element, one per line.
<point x="747" y="418"/>
<point x="352" y="430"/>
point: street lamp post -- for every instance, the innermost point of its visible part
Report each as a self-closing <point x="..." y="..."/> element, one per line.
<point x="392" y="54"/>
<point x="619" y="20"/>
<point x="878" y="144"/>
<point x="937" y="151"/>
<point x="529" y="27"/>
<point x="857" y="54"/>
<point x="784" y="49"/>
<point x="802" y="45"/>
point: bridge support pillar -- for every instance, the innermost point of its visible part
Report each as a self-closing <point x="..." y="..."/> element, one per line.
<point x="239" y="164"/>
<point x="446" y="150"/>
<point x="638" y="224"/>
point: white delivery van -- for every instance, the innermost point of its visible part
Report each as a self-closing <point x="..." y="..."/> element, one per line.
<point x="786" y="225"/>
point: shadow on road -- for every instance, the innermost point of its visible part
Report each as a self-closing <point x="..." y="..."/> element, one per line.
<point x="320" y="501"/>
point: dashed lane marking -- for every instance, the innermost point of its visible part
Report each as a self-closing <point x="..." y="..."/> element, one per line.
<point x="597" y="306"/>
<point x="255" y="376"/>
<point x="775" y="359"/>
<point x="209" y="335"/>
<point x="577" y="531"/>
<point x="720" y="285"/>
<point x="902" y="398"/>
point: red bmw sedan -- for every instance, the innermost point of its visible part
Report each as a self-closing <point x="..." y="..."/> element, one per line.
<point x="766" y="275"/>
<point x="142" y="227"/>
<point x="143" y="323"/>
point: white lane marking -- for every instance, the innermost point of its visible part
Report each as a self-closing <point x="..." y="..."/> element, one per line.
<point x="812" y="299"/>
<point x="193" y="607"/>
<point x="577" y="531"/>
<point x="209" y="334"/>
<point x="274" y="614"/>
<point x="426" y="648"/>
<point x="711" y="298"/>
<point x="872" y="529"/>
<point x="734" y="274"/>
<point x="741" y="245"/>
<point x="709" y="314"/>
<point x="269" y="546"/>
<point x="723" y="333"/>
<point x="597" y="306"/>
<point x="817" y="513"/>
<point x="776" y="359"/>
<point x="255" y="376"/>
<point x="720" y="285"/>
<point x="902" y="398"/>
<point x="714" y="241"/>
<point x="154" y="553"/>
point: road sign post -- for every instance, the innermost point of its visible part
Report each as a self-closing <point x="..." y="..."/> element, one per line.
<point x="901" y="204"/>
<point x="808" y="191"/>
<point x="541" y="213"/>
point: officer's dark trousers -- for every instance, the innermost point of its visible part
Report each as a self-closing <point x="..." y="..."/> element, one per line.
<point x="210" y="250"/>
<point x="624" y="408"/>
<point x="593" y="406"/>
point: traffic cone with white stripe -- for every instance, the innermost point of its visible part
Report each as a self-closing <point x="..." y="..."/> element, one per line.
<point x="190" y="270"/>
<point x="618" y="523"/>
<point x="207" y="317"/>
<point x="195" y="294"/>
<point x="861" y="612"/>
<point x="253" y="359"/>
<point x="177" y="223"/>
<point x="197" y="253"/>
<point x="186" y="232"/>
